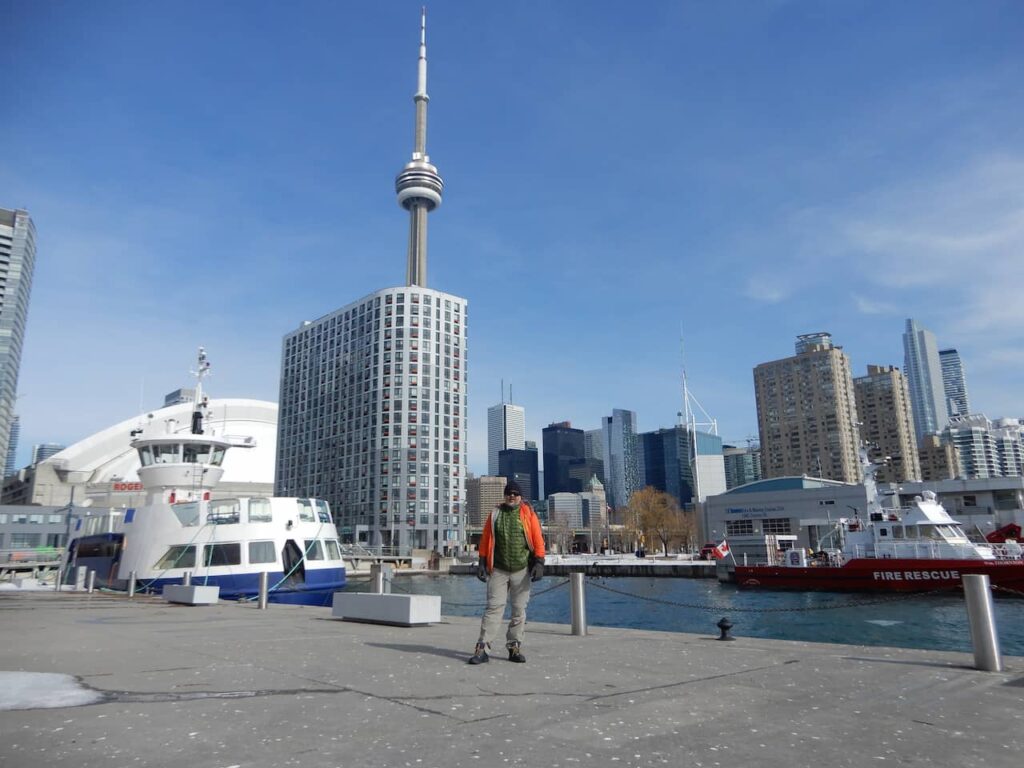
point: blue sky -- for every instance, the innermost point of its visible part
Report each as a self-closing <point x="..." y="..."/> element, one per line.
<point x="618" y="176"/>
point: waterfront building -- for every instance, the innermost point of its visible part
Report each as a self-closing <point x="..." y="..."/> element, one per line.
<point x="954" y="384"/>
<point x="12" y="447"/>
<point x="807" y="412"/>
<point x="924" y="379"/>
<point x="521" y="467"/>
<point x="742" y="465"/>
<point x="182" y="395"/>
<point x="621" y="456"/>
<point x="562" y="445"/>
<point x="17" y="264"/>
<point x="886" y="424"/>
<point x="43" y="451"/>
<point x="594" y="504"/>
<point x="939" y="459"/>
<point x="987" y="448"/>
<point x="565" y="509"/>
<point x="806" y="507"/>
<point x="506" y="428"/>
<point x="103" y="468"/>
<point x="482" y="495"/>
<point x="373" y="395"/>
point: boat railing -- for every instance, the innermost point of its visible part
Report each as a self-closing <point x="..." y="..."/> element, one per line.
<point x="364" y="551"/>
<point x="919" y="550"/>
<point x="31" y="555"/>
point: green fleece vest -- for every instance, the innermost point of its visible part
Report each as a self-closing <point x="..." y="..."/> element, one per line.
<point x="511" y="551"/>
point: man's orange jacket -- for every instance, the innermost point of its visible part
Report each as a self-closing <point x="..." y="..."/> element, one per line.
<point x="534" y="536"/>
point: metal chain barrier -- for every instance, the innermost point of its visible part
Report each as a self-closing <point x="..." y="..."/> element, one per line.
<point x="533" y="595"/>
<point x="1007" y="590"/>
<point x="737" y="609"/>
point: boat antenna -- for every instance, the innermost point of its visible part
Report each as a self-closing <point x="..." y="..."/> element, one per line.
<point x="199" y="401"/>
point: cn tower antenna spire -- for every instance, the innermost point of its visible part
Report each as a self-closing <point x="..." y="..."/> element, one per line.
<point x="419" y="185"/>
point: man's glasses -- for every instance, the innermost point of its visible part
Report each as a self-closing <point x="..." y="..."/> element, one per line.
<point x="513" y="494"/>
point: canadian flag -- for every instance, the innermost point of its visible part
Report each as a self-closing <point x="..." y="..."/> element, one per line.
<point x="721" y="551"/>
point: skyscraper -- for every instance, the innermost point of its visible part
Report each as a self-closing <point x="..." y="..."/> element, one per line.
<point x="17" y="263"/>
<point x="506" y="428"/>
<point x="668" y="463"/>
<point x="12" y="446"/>
<point x="742" y="465"/>
<point x="924" y="379"/>
<point x="954" y="385"/>
<point x="883" y="405"/>
<point x="520" y="465"/>
<point x="562" y="445"/>
<point x="621" y="457"/>
<point x="373" y="400"/>
<point x="807" y="414"/>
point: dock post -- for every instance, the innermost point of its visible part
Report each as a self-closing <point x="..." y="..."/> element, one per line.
<point x="982" y="622"/>
<point x="90" y="583"/>
<point x="579" y="604"/>
<point x="264" y="589"/>
<point x="131" y="584"/>
<point x="381" y="576"/>
<point x="186" y="579"/>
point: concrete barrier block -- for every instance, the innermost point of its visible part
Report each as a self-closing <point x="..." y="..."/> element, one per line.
<point x="191" y="595"/>
<point x="398" y="610"/>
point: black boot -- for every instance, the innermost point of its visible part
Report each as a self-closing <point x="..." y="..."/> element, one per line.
<point x="479" y="655"/>
<point x="515" y="655"/>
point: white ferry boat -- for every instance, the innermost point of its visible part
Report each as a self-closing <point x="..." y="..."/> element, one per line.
<point x="181" y="532"/>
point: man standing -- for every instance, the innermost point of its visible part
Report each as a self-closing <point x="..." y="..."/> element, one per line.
<point x="511" y="556"/>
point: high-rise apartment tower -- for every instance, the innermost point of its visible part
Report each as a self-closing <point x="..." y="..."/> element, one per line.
<point x="17" y="263"/>
<point x="954" y="385"/>
<point x="373" y="396"/>
<point x="883" y="405"/>
<point x="924" y="379"/>
<point x="807" y="413"/>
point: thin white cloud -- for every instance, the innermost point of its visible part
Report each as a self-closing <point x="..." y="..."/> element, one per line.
<point x="869" y="306"/>
<point x="766" y="289"/>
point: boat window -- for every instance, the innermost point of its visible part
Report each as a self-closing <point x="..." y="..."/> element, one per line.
<point x="930" y="532"/>
<point x="883" y="533"/>
<point x="145" y="455"/>
<point x="259" y="511"/>
<point x="333" y="549"/>
<point x="306" y="511"/>
<point x="897" y="531"/>
<point x="177" y="556"/>
<point x="314" y="550"/>
<point x="197" y="453"/>
<point x="167" y="454"/>
<point x="262" y="552"/>
<point x="323" y="512"/>
<point x="187" y="513"/>
<point x="222" y="554"/>
<point x="911" y="531"/>
<point x="224" y="512"/>
<point x="218" y="456"/>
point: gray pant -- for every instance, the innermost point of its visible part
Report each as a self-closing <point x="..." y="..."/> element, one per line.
<point x="500" y="586"/>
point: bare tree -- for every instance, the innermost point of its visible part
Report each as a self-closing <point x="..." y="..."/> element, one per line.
<point x="658" y="515"/>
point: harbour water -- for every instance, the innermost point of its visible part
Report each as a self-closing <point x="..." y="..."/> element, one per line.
<point x="937" y="622"/>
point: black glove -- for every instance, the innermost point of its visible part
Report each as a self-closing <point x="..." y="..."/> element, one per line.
<point x="537" y="569"/>
<point x="481" y="569"/>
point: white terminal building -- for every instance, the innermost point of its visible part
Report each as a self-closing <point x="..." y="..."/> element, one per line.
<point x="373" y="395"/>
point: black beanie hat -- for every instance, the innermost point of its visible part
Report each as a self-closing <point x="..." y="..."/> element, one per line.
<point x="513" y="487"/>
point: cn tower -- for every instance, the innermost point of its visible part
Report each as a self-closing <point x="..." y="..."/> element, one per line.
<point x="419" y="185"/>
<point x="373" y="402"/>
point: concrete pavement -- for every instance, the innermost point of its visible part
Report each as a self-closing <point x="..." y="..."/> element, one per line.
<point x="231" y="686"/>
